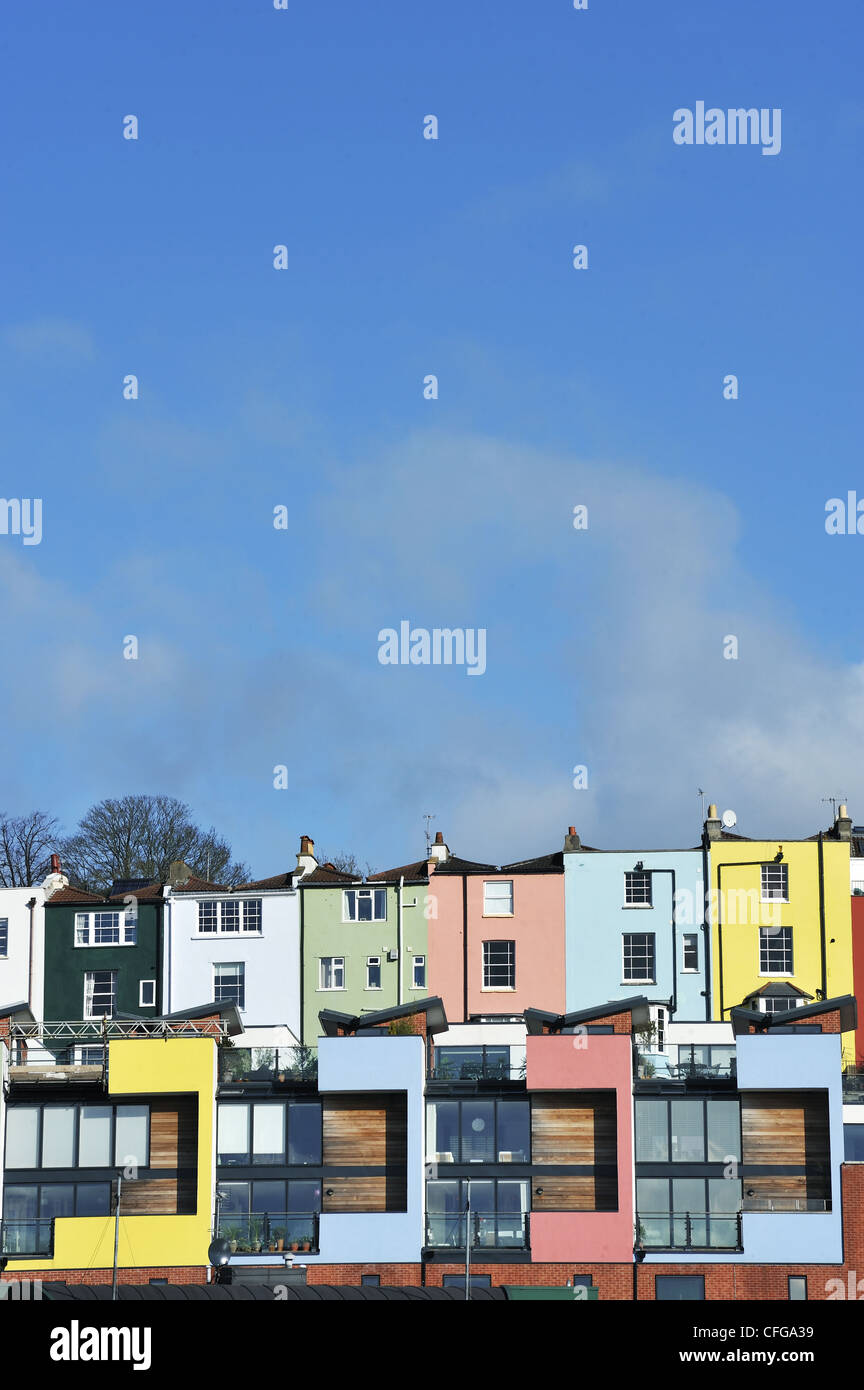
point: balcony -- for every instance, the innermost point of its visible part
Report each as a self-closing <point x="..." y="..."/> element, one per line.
<point x="853" y="1085"/>
<point x="687" y="1230"/>
<point x="447" y="1232"/>
<point x="478" y="1063"/>
<point x="33" y="1239"/>
<point x="265" y="1232"/>
<point x="688" y="1063"/>
<point x="287" y="1066"/>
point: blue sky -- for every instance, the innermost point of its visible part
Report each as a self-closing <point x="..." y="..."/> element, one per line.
<point x="304" y="387"/>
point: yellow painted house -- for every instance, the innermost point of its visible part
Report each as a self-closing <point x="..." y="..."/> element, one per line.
<point x="780" y="918"/>
<point x="147" y="1117"/>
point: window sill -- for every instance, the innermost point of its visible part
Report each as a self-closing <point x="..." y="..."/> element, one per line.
<point x="497" y="989"/>
<point x="497" y="916"/>
<point x="636" y="907"/>
<point x="642" y="982"/>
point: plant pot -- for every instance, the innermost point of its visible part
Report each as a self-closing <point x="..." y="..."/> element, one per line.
<point x="295" y="1245"/>
<point x="232" y="1246"/>
<point x="280" y="1244"/>
<point x="306" y="1245"/>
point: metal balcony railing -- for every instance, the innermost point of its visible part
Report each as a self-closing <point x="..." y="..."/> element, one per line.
<point x="702" y="1064"/>
<point x="33" y="1238"/>
<point x="687" y="1230"/>
<point x="487" y="1232"/>
<point x="263" y="1232"/>
<point x="479" y="1063"/>
<point x="287" y="1065"/>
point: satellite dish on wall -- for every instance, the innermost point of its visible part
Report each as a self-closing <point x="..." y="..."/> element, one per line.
<point x="729" y="819"/>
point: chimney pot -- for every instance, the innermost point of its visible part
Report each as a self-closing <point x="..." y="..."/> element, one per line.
<point x="439" y="837"/>
<point x="55" y="864"/>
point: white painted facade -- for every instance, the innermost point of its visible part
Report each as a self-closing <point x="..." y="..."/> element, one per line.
<point x="270" y="960"/>
<point x="19" y="974"/>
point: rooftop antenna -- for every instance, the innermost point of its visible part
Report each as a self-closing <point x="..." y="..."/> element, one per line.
<point x="702" y="794"/>
<point x="430" y="816"/>
<point x="832" y="802"/>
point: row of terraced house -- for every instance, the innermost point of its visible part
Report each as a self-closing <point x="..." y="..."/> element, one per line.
<point x="617" y="1073"/>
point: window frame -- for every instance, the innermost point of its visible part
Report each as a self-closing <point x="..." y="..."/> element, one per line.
<point x="667" y="1285"/>
<point x="374" y="963"/>
<point x="765" y="872"/>
<point x="798" y="1279"/>
<point x="142" y="1002"/>
<point x="240" y="967"/>
<point x="689" y="942"/>
<point x="332" y="988"/>
<point x="363" y="891"/>
<point x="4" y="938"/>
<point x="419" y="957"/>
<point x="77" y="1166"/>
<point x="459" y="1159"/>
<point x="632" y="899"/>
<point x="638" y="979"/>
<point x="214" y="907"/>
<point x="88" y="974"/>
<point x="766" y="936"/>
<point x="489" y="965"/>
<point x="489" y="910"/>
<point x="85" y="928"/>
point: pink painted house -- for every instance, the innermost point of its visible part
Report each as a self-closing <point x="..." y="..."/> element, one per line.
<point x="496" y="934"/>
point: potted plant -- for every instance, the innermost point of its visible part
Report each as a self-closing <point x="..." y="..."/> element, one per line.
<point x="232" y="1235"/>
<point x="279" y="1235"/>
<point x="255" y="1236"/>
<point x="295" y="1243"/>
<point x="306" y="1243"/>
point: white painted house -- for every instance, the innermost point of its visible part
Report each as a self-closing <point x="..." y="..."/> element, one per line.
<point x="22" y="942"/>
<point x="238" y="946"/>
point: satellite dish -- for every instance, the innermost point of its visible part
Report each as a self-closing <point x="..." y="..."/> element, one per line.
<point x="729" y="819"/>
<point x="219" y="1252"/>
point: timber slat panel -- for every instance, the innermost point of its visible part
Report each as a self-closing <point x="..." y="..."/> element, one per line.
<point x="370" y="1132"/>
<point x="781" y="1131"/>
<point x="149" y="1197"/>
<point x="573" y="1128"/>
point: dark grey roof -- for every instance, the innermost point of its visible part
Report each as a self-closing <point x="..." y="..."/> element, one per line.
<point x="636" y="1004"/>
<point x="744" y="1019"/>
<point x="433" y="1008"/>
<point x="778" y="989"/>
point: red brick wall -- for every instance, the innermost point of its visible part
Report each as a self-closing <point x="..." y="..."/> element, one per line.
<point x="192" y="1274"/>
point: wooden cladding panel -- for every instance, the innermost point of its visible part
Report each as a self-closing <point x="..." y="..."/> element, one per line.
<point x="574" y="1194"/>
<point x="777" y="1129"/>
<point x="365" y="1131"/>
<point x="573" y="1128"/>
<point x="149" y="1197"/>
<point x="382" y="1192"/>
<point x="174" y="1132"/>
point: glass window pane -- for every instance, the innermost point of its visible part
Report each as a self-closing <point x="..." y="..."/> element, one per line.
<point x="514" y="1131"/>
<point x="724" y="1129"/>
<point x="688" y="1136"/>
<point x="304" y="1132"/>
<point x="57" y="1199"/>
<point x="268" y="1196"/>
<point x="478" y="1131"/>
<point x="268" y="1133"/>
<point x="131" y="1135"/>
<point x="675" y="1287"/>
<point x="93" y="1199"/>
<point x="233" y="1146"/>
<point x="21" y="1203"/>
<point x="304" y="1197"/>
<point x="234" y="1206"/>
<point x="482" y="1195"/>
<point x="58" y="1136"/>
<point x="652" y="1141"/>
<point x="94" y="1138"/>
<point x="443" y="1131"/>
<point x="22" y="1136"/>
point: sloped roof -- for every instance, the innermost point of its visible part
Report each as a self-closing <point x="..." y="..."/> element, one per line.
<point x="418" y="872"/>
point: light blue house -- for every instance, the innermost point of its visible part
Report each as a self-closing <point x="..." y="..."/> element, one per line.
<point x="634" y="924"/>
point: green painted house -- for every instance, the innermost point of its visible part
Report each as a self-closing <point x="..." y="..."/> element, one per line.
<point x="103" y="953"/>
<point x="364" y="942"/>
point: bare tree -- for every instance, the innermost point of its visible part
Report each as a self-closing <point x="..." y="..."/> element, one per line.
<point x="140" y="837"/>
<point x="26" y="844"/>
<point x="346" y="863"/>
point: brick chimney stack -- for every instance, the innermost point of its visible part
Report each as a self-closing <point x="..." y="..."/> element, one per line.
<point x="439" y="851"/>
<point x="571" y="839"/>
<point x="843" y="823"/>
<point x="306" y="861"/>
<point x="713" y="824"/>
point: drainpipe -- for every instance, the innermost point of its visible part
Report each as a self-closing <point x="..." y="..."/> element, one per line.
<point x="464" y="948"/>
<point x="399" y="943"/>
<point x="822" y="918"/>
<point x="302" y="896"/>
<point x="673" y="1002"/>
<point x="32" y="907"/>
<point x="706" y="926"/>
